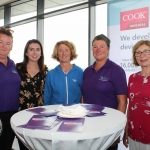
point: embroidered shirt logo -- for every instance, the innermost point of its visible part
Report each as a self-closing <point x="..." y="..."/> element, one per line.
<point x="14" y="71"/>
<point x="74" y="80"/>
<point x="102" y="78"/>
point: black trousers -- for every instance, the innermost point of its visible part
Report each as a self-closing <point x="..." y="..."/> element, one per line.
<point x="115" y="147"/>
<point x="22" y="146"/>
<point x="7" y="135"/>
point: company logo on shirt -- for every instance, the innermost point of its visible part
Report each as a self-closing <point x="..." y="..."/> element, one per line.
<point x="134" y="19"/>
<point x="74" y="80"/>
<point x="14" y="71"/>
<point x="102" y="78"/>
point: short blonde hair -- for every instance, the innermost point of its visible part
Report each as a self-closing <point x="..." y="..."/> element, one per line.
<point x="135" y="47"/>
<point x="68" y="44"/>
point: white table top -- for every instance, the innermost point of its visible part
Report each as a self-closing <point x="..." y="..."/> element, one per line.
<point x="98" y="132"/>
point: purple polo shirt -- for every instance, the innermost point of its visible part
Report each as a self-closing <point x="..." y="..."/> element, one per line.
<point x="103" y="86"/>
<point x="9" y="87"/>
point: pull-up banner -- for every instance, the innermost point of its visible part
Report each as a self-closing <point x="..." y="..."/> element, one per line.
<point x="128" y="22"/>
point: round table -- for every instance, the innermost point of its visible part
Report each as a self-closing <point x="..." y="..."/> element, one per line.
<point x="98" y="132"/>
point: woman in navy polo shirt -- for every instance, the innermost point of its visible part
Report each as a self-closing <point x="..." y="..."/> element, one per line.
<point x="104" y="82"/>
<point x="9" y="89"/>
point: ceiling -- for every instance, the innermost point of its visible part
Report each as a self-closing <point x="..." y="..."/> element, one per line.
<point x="2" y="2"/>
<point x="31" y="6"/>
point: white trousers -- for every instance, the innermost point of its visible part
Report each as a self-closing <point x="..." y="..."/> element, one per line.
<point x="133" y="145"/>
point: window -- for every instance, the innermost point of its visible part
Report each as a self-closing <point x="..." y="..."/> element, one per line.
<point x="21" y="35"/>
<point x="101" y="19"/>
<point x="1" y="16"/>
<point x="69" y="27"/>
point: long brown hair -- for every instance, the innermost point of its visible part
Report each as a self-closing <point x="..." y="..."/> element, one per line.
<point x="26" y="59"/>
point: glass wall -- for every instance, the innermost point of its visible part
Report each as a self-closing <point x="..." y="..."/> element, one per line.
<point x="1" y="16"/>
<point x="69" y="27"/>
<point x="101" y="19"/>
<point x="100" y="24"/>
<point x="21" y="35"/>
<point x="72" y="26"/>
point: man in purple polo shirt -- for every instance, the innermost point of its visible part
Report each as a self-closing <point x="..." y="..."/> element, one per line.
<point x="9" y="89"/>
<point x="104" y="82"/>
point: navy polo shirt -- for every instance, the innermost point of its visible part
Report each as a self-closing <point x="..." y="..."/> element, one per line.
<point x="9" y="87"/>
<point x="103" y="86"/>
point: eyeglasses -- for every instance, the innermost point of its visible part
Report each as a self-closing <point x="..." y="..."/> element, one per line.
<point x="145" y="52"/>
<point x="11" y="31"/>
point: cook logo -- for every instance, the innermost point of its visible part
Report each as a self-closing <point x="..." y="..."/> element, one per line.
<point x="134" y="19"/>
